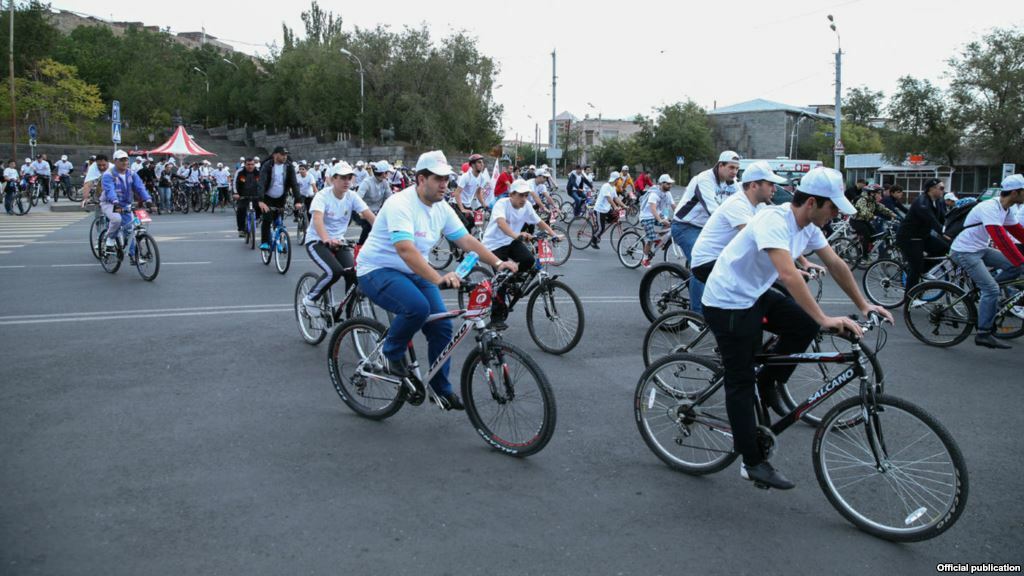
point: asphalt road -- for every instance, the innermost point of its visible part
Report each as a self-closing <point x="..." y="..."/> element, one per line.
<point x="183" y="427"/>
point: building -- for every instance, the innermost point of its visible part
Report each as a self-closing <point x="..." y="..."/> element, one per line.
<point x="764" y="129"/>
<point x="968" y="177"/>
<point x="66" y="21"/>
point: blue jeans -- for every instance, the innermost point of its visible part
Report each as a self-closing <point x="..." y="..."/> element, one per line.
<point x="165" y="195"/>
<point x="411" y="299"/>
<point x="578" y="198"/>
<point x="976" y="264"/>
<point x="685" y="236"/>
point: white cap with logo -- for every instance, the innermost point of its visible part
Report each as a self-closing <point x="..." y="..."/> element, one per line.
<point x="435" y="162"/>
<point x="950" y="197"/>
<point x="520" y="187"/>
<point x="827" y="183"/>
<point x="120" y="154"/>
<point x="729" y="156"/>
<point x="761" y="171"/>
<point x="341" y="169"/>
<point x="614" y="176"/>
<point x="665" y="178"/>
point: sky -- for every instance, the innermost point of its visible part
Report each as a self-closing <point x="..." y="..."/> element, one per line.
<point x="619" y="59"/>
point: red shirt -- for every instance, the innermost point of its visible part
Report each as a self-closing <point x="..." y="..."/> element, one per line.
<point x="504" y="181"/>
<point x="643" y="182"/>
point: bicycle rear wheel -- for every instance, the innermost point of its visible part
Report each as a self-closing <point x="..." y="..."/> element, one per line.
<point x="939" y="313"/>
<point x="99" y="225"/>
<point x="110" y="260"/>
<point x="361" y="305"/>
<point x="22" y="202"/>
<point x="560" y="327"/>
<point x="312" y="330"/>
<point x="561" y="250"/>
<point x="630" y="249"/>
<point x="351" y="343"/>
<point x="566" y="211"/>
<point x="679" y="408"/>
<point x="678" y="332"/>
<point x="283" y="252"/>
<point x="665" y="287"/>
<point x="147" y="257"/>
<point x="920" y="488"/>
<point x="508" y="399"/>
<point x="441" y="254"/>
<point x="849" y="250"/>
<point x="884" y="283"/>
<point x="581" y="232"/>
<point x="250" y="230"/>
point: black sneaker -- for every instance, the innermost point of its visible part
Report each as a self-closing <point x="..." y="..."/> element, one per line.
<point x="497" y="325"/>
<point x="595" y="244"/>
<point x="764" y="476"/>
<point x="451" y="401"/>
<point x="398" y="367"/>
<point x="987" y="340"/>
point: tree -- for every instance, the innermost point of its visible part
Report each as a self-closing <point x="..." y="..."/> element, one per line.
<point x="861" y="105"/>
<point x="987" y="94"/>
<point x="34" y="36"/>
<point x="56" y="96"/>
<point x="680" y="128"/>
<point x="924" y="123"/>
<point x="857" y="139"/>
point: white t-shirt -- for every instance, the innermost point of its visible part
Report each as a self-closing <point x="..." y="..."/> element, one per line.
<point x="11" y="174"/>
<point x="94" y="173"/>
<point x="63" y="167"/>
<point x="987" y="213"/>
<point x="494" y="238"/>
<point x="604" y="197"/>
<point x="744" y="271"/>
<point x="221" y="176"/>
<point x="26" y="169"/>
<point x="469" y="184"/>
<point x="405" y="217"/>
<point x="305" y="184"/>
<point x="337" y="213"/>
<point x="653" y="197"/>
<point x="276" y="188"/>
<point x="721" y="228"/>
<point x="538" y="189"/>
<point x="702" y="197"/>
<point x="41" y="168"/>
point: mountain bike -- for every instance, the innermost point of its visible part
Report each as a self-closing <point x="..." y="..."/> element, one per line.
<point x="885" y="464"/>
<point x="280" y="244"/>
<point x="885" y="280"/>
<point x="250" y="225"/>
<point x="22" y="200"/>
<point x="302" y="222"/>
<point x="35" y="191"/>
<point x="507" y="396"/>
<point x="355" y="303"/>
<point x="133" y="239"/>
<point x="630" y="248"/>
<point x="944" y="314"/>
<point x="63" y="185"/>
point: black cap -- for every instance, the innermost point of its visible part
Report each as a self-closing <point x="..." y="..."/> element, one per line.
<point x="280" y="150"/>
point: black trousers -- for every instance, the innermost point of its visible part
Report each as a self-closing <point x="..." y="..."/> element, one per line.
<point x="739" y="334"/>
<point x="605" y="219"/>
<point x="241" y="208"/>
<point x="703" y="271"/>
<point x="268" y="217"/>
<point x="366" y="226"/>
<point x="519" y="253"/>
<point x="914" y="250"/>
<point x="335" y="262"/>
<point x="865" y="231"/>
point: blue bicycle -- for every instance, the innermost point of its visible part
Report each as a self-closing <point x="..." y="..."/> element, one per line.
<point x="250" y="226"/>
<point x="280" y="244"/>
<point x="135" y="240"/>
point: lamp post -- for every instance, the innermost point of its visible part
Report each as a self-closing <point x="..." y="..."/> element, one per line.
<point x="362" y="98"/>
<point x="536" y="138"/>
<point x="226" y="61"/>
<point x="207" y="77"/>
<point x="14" y="111"/>
<point x="838" y="153"/>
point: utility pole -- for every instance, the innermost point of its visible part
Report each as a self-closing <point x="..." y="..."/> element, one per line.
<point x="837" y="151"/>
<point x="554" y="112"/>
<point x="14" y="112"/>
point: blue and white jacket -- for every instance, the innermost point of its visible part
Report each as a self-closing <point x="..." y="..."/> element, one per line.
<point x="118" y="188"/>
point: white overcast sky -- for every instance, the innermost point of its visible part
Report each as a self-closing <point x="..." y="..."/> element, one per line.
<point x="631" y="56"/>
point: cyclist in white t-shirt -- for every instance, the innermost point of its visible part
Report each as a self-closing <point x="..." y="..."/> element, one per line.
<point x="607" y="207"/>
<point x="650" y="214"/>
<point x="471" y="188"/>
<point x="94" y="179"/>
<point x="394" y="272"/>
<point x="331" y="209"/>
<point x="739" y="303"/>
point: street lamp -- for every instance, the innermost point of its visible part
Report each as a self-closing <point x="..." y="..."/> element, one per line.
<point x="207" y="77"/>
<point x="362" y="98"/>
<point x="536" y="138"/>
<point x="837" y="151"/>
<point x="226" y="61"/>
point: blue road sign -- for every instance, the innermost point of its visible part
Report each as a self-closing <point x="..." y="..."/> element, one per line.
<point x="115" y="112"/>
<point x="680" y="160"/>
<point x="115" y="132"/>
<point x="32" y="132"/>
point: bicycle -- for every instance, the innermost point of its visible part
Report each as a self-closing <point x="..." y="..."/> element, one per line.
<point x="302" y="223"/>
<point x="885" y="464"/>
<point x="564" y="324"/>
<point x="630" y="249"/>
<point x="280" y="244"/>
<point x="22" y="200"/>
<point x="100" y="222"/>
<point x="445" y="251"/>
<point x="355" y="303"/>
<point x="933" y="307"/>
<point x="181" y="197"/>
<point x="250" y="225"/>
<point x="885" y="280"/>
<point x="134" y="239"/>
<point x="521" y="420"/>
<point x="880" y="245"/>
<point x="35" y="191"/>
<point x="63" y="185"/>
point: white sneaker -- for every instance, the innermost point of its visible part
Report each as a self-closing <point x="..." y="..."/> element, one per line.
<point x="1018" y="311"/>
<point x="917" y="303"/>
<point x="311" y="307"/>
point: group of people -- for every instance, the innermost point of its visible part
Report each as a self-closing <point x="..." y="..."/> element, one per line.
<point x="41" y="170"/>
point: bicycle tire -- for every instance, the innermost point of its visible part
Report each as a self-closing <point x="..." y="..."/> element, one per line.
<point x="561" y="250"/>
<point x="360" y="305"/>
<point x="656" y="299"/>
<point x="630" y="249"/>
<point x="551" y="308"/>
<point x="580" y="232"/>
<point x="1007" y="326"/>
<point x="930" y="306"/>
<point x="312" y="330"/>
<point x="74" y="193"/>
<point x="22" y="202"/>
<point x="486" y="425"/>
<point x="368" y="332"/>
<point x="566" y="211"/>
<point x="110" y="261"/>
<point x="884" y="283"/>
<point x="441" y="255"/>
<point x="146" y="252"/>
<point x="477" y="274"/>
<point x="614" y="232"/>
<point x="283" y="252"/>
<point x="904" y="507"/>
<point x="675" y="411"/>
<point x="34" y="195"/>
<point x="849" y="251"/>
<point x="678" y="332"/>
<point x="250" y="230"/>
<point x="97" y="227"/>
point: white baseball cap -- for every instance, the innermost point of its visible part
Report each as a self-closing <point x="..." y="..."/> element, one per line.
<point x="520" y="187"/>
<point x="827" y="183"/>
<point x="381" y="167"/>
<point x="1013" y="182"/>
<point x="242" y="159"/>
<point x="625" y="168"/>
<point x="360" y="164"/>
<point x="950" y="196"/>
<point x="64" y="158"/>
<point x="761" y="171"/>
<point x="613" y="176"/>
<point x="435" y="162"/>
<point x="729" y="156"/>
<point x="665" y="178"/>
<point x="120" y="154"/>
<point x="341" y="169"/>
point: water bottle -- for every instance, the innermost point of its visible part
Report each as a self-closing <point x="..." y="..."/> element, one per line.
<point x="467" y="264"/>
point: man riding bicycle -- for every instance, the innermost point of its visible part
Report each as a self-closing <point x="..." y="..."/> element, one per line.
<point x="739" y="302"/>
<point x="651" y="216"/>
<point x="247" y="189"/>
<point x="869" y="206"/>
<point x="331" y="210"/>
<point x="607" y="207"/>
<point x="394" y="272"/>
<point x="119" y="187"/>
<point x="277" y="180"/>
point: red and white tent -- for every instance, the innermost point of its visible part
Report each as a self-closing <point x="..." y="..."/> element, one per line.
<point x="181" y="144"/>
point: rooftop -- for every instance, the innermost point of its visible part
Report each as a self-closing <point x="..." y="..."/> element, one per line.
<point x="762" y="105"/>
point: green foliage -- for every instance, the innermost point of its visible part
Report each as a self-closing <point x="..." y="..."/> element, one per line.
<point x="861" y="105"/>
<point x="857" y="139"/>
<point x="987" y="93"/>
<point x="681" y="128"/>
<point x="55" y="96"/>
<point x="924" y="122"/>
<point x="34" y="36"/>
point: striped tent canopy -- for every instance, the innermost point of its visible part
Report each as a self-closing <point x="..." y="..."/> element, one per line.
<point x="181" y="144"/>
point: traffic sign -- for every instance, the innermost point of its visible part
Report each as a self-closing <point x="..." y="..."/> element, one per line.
<point x="554" y="153"/>
<point x="115" y="112"/>
<point x="680" y="160"/>
<point x="115" y="132"/>
<point x="32" y="132"/>
<point x="32" y="142"/>
<point x="1009" y="169"/>
<point x="840" y="149"/>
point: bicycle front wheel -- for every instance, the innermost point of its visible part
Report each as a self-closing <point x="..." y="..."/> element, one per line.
<point x="581" y="232"/>
<point x="283" y="252"/>
<point x="884" y="283"/>
<point x="679" y="407"/>
<point x="352" y="343"/>
<point x="918" y="487"/>
<point x="677" y="332"/>
<point x="441" y="254"/>
<point x="630" y="249"/>
<point x="109" y="259"/>
<point x="939" y="314"/>
<point x="147" y="257"/>
<point x="849" y="250"/>
<point x="99" y="225"/>
<point x="664" y="288"/>
<point x="22" y="202"/>
<point x="560" y="327"/>
<point x="508" y="399"/>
